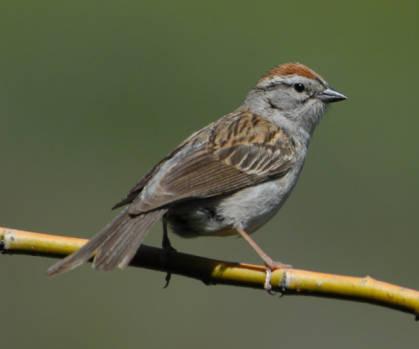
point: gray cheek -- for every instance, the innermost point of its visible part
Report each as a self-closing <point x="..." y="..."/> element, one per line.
<point x="310" y="114"/>
<point x="283" y="101"/>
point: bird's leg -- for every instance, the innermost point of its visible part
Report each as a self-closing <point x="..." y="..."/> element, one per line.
<point x="167" y="250"/>
<point x="269" y="262"/>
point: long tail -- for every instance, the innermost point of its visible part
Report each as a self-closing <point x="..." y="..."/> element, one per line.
<point x="114" y="246"/>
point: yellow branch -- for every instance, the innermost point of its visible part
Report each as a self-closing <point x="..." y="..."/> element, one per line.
<point x="210" y="271"/>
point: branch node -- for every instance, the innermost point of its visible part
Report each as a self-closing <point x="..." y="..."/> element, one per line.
<point x="283" y="285"/>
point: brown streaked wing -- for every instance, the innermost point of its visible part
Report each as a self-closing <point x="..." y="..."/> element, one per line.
<point x="243" y="149"/>
<point x="138" y="187"/>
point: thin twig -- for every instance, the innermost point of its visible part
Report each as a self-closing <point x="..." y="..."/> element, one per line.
<point x="210" y="271"/>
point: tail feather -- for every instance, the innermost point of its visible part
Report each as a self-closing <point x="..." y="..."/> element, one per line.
<point x="121" y="248"/>
<point x="115" y="245"/>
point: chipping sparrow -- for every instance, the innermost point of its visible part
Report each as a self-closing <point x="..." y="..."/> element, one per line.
<point x="228" y="178"/>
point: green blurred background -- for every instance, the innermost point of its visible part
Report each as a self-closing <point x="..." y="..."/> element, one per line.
<point x="93" y="93"/>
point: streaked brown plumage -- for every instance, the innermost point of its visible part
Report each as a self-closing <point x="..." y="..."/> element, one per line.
<point x="239" y="150"/>
<point x="230" y="176"/>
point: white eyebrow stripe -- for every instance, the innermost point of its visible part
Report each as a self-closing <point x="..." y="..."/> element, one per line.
<point x="287" y="80"/>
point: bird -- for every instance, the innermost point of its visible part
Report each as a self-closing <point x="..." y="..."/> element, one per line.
<point x="228" y="178"/>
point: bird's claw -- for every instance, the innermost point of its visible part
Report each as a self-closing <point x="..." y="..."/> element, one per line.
<point x="167" y="251"/>
<point x="267" y="285"/>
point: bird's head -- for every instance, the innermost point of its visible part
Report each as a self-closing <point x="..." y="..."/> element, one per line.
<point x="294" y="93"/>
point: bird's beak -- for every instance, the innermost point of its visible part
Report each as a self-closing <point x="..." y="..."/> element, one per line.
<point x="330" y="96"/>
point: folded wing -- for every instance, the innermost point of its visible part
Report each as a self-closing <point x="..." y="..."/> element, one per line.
<point x="240" y="150"/>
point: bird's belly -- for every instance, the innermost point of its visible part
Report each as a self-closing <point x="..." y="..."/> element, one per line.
<point x="249" y="208"/>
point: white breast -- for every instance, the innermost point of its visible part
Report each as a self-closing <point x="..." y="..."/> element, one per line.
<point x="254" y="206"/>
<point x="249" y="208"/>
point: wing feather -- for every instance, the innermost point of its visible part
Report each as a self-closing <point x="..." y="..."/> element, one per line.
<point x="240" y="150"/>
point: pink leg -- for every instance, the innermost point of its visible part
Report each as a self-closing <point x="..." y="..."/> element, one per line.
<point x="269" y="262"/>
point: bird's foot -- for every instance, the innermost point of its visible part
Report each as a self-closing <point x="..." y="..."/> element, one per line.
<point x="165" y="260"/>
<point x="270" y="267"/>
<point x="168" y="249"/>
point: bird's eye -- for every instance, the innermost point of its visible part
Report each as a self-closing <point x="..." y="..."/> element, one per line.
<point x="299" y="87"/>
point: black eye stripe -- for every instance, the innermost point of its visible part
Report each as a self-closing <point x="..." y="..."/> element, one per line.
<point x="272" y="86"/>
<point x="299" y="87"/>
